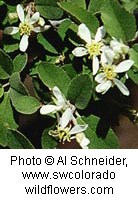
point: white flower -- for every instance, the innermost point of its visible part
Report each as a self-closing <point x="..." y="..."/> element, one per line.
<point x="119" y="48"/>
<point x="107" y="55"/>
<point x="41" y="21"/>
<point x="65" y="130"/>
<point x="25" y="27"/>
<point x="92" y="46"/>
<point x="108" y="77"/>
<point x="82" y="140"/>
<point x="60" y="103"/>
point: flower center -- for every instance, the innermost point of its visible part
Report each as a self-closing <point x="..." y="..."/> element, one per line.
<point x="63" y="134"/>
<point x="25" y="28"/>
<point x="94" y="48"/>
<point x="109" y="71"/>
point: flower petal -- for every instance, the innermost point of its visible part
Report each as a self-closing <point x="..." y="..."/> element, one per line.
<point x="20" y="12"/>
<point x="24" y="43"/>
<point x="100" y="78"/>
<point x="115" y="45"/>
<point x="77" y="129"/>
<point x="60" y="98"/>
<point x="41" y="29"/>
<point x="85" y="141"/>
<point x="84" y="33"/>
<point x="11" y="30"/>
<point x="95" y="64"/>
<point x="100" y="33"/>
<point x="34" y="18"/>
<point x="119" y="46"/>
<point x="124" y="66"/>
<point x="47" y="109"/>
<point x="107" y="55"/>
<point x="121" y="87"/>
<point x="79" y="51"/>
<point x="41" y="21"/>
<point x="103" y="87"/>
<point x="82" y="140"/>
<point x="66" y="118"/>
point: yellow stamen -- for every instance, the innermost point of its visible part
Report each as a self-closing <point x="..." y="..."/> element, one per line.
<point x="109" y="71"/>
<point x="94" y="48"/>
<point x="63" y="134"/>
<point x="25" y="28"/>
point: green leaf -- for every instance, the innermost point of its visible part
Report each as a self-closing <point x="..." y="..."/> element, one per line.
<point x="20" y="98"/>
<point x="118" y="22"/>
<point x="1" y="91"/>
<point x="80" y="91"/>
<point x="80" y="3"/>
<point x="6" y="65"/>
<point x="135" y="47"/>
<point x="96" y="141"/>
<point x="70" y="70"/>
<point x="13" y="139"/>
<point x="95" y="6"/>
<point x="6" y="112"/>
<point x="133" y="76"/>
<point x="63" y="27"/>
<point x="134" y="54"/>
<point x="16" y="140"/>
<point x="23" y="103"/>
<point x="47" y="46"/>
<point x="81" y="15"/>
<point x="130" y="5"/>
<point x="17" y="85"/>
<point x="11" y="47"/>
<point x="20" y="62"/>
<point x="49" y="9"/>
<point x="3" y="134"/>
<point x="52" y="75"/>
<point x="48" y="142"/>
<point x="1" y="3"/>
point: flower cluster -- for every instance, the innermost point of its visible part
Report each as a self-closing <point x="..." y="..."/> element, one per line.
<point x="29" y="23"/>
<point x="108" y="60"/>
<point x="67" y="126"/>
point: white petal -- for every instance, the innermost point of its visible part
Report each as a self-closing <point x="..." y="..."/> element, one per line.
<point x="20" y="12"/>
<point x="103" y="87"/>
<point x="46" y="27"/>
<point x="100" y="78"/>
<point x="41" y="21"/>
<point x="124" y="66"/>
<point x="11" y="30"/>
<point x="41" y="29"/>
<point x="77" y="129"/>
<point x="85" y="141"/>
<point x="84" y="33"/>
<point x="24" y="43"/>
<point x="121" y="86"/>
<point x="47" y="109"/>
<point x="107" y="55"/>
<point x="80" y="51"/>
<point x="115" y="45"/>
<point x="66" y="118"/>
<point x="60" y="98"/>
<point x="95" y="64"/>
<point x="57" y="93"/>
<point x="38" y="29"/>
<point x="34" y="18"/>
<point x="100" y="33"/>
